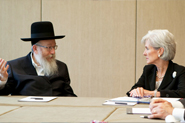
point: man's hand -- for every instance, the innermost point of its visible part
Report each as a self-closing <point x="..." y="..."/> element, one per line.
<point x="3" y="70"/>
<point x="160" y="108"/>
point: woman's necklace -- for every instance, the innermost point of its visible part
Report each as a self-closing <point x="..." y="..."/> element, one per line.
<point x="158" y="76"/>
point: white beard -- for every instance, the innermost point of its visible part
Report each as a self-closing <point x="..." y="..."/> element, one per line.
<point x="49" y="68"/>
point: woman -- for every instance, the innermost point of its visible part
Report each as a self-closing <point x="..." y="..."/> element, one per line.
<point x="161" y="77"/>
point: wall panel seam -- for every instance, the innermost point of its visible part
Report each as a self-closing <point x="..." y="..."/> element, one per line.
<point x="135" y="41"/>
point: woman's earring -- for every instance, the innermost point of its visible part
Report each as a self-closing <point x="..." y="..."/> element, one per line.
<point x="159" y="55"/>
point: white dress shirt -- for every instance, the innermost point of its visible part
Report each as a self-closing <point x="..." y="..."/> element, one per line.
<point x="177" y="114"/>
<point x="38" y="69"/>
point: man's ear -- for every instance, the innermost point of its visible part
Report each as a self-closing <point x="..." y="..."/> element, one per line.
<point x="35" y="49"/>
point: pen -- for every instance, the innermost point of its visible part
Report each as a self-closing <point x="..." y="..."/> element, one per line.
<point x="143" y="102"/>
<point x="144" y="116"/>
<point x="121" y="103"/>
<point x="37" y="98"/>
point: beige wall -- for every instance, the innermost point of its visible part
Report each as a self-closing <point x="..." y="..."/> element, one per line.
<point x="160" y="14"/>
<point x="102" y="45"/>
<point x="16" y="17"/>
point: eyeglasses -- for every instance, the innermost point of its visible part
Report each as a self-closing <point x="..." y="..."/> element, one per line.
<point x="48" y="48"/>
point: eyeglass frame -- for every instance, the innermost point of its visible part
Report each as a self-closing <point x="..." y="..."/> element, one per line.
<point x="48" y="48"/>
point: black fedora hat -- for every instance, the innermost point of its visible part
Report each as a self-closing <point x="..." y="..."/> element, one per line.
<point x="42" y="30"/>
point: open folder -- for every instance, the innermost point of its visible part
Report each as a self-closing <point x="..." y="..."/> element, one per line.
<point x="36" y="99"/>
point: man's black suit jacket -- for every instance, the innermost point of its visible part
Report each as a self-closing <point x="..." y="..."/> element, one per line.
<point x="170" y="86"/>
<point x="23" y="80"/>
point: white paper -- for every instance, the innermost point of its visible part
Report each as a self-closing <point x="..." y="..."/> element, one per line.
<point x="122" y="99"/>
<point x="141" y="111"/>
<point x="36" y="99"/>
<point x="167" y="99"/>
<point x="114" y="103"/>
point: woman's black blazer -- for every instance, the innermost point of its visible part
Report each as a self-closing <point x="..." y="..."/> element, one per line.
<point x="171" y="86"/>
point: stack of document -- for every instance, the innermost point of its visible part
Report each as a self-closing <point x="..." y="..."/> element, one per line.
<point x="127" y="101"/>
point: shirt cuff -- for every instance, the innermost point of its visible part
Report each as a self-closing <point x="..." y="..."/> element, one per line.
<point x="178" y="113"/>
<point x="177" y="104"/>
<point x="170" y="119"/>
<point x="2" y="84"/>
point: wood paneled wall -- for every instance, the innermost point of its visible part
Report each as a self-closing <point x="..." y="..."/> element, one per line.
<point x="102" y="45"/>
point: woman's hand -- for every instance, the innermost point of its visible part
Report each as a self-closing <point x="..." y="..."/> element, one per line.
<point x="140" y="92"/>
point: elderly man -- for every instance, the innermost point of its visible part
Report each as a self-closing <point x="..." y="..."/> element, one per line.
<point x="38" y="73"/>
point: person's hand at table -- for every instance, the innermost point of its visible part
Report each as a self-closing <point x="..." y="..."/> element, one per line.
<point x="140" y="92"/>
<point x="160" y="108"/>
<point x="3" y="70"/>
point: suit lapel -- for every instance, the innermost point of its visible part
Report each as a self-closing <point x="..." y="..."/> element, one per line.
<point x="28" y="67"/>
<point x="168" y="76"/>
<point x="152" y="78"/>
